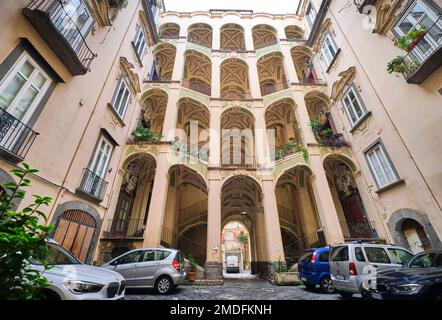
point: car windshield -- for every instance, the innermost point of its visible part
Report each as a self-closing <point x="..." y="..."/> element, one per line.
<point x="427" y="260"/>
<point x="57" y="255"/>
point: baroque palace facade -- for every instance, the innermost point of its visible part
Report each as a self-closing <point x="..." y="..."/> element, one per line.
<point x="152" y="128"/>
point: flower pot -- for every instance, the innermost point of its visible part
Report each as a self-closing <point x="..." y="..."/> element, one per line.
<point x="286" y="279"/>
<point x="191" y="276"/>
<point x="416" y="40"/>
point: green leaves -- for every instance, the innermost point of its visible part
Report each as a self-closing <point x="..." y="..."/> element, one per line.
<point x="21" y="237"/>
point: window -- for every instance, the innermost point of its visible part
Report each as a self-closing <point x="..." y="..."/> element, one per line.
<point x="152" y="255"/>
<point x="359" y="254"/>
<point x="140" y="42"/>
<point x="353" y="105"/>
<point x="328" y="50"/>
<point x="306" y="258"/>
<point x="23" y="88"/>
<point x="377" y="255"/>
<point x="429" y="260"/>
<point x="121" y="97"/>
<point x="131" y="257"/>
<point x="400" y="256"/>
<point x="101" y="158"/>
<point x="339" y="254"/>
<point x="381" y="166"/>
<point x="323" y="257"/>
<point x="311" y="14"/>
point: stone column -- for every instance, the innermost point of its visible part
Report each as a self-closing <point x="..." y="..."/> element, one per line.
<point x="214" y="260"/>
<point x="289" y="67"/>
<point x="248" y="39"/>
<point x="302" y="117"/>
<point x="262" y="150"/>
<point x="275" y="249"/>
<point x="255" y="87"/>
<point x="155" y="219"/>
<point x="170" y="117"/>
<point x="215" y="136"/>
<point x="178" y="68"/>
<point x="216" y="75"/>
<point x="216" y="37"/>
<point x="324" y="200"/>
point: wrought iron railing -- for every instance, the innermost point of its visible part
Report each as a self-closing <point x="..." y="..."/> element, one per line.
<point x="16" y="138"/>
<point x="267" y="89"/>
<point x="187" y="246"/>
<point x="199" y="42"/>
<point x="236" y="96"/>
<point x="182" y="148"/>
<point x="266" y="44"/>
<point x="312" y="81"/>
<point x="239" y="162"/>
<point x="333" y="140"/>
<point x="93" y="185"/>
<point x="296" y="249"/>
<point x="424" y="49"/>
<point x="358" y="230"/>
<point x="197" y="86"/>
<point x="67" y="28"/>
<point x="124" y="229"/>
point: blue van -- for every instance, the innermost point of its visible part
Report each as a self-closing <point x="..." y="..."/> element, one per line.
<point x="314" y="269"/>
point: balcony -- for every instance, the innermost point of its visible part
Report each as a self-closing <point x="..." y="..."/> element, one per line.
<point x="265" y="44"/>
<point x="236" y="96"/>
<point x="92" y="186"/>
<point x="267" y="89"/>
<point x="426" y="56"/>
<point x="125" y="229"/>
<point x="358" y="230"/>
<point x="58" y="28"/>
<point x="246" y="162"/>
<point x="362" y="4"/>
<point x="182" y="148"/>
<point x="16" y="138"/>
<point x="197" y="86"/>
<point x="199" y="42"/>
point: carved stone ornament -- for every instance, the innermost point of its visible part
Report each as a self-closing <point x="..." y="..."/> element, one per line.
<point x="346" y="77"/>
<point x="127" y="67"/>
<point x="130" y="180"/>
<point x="386" y="15"/>
<point x="343" y="178"/>
<point x="325" y="28"/>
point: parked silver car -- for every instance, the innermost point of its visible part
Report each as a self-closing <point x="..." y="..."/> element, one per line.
<point x="353" y="263"/>
<point x="159" y="268"/>
<point x="69" y="279"/>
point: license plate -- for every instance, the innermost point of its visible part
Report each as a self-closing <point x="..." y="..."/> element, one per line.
<point x="303" y="279"/>
<point x="340" y="277"/>
<point x="376" y="295"/>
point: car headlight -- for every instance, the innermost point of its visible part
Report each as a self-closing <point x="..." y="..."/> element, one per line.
<point x="80" y="287"/>
<point x="407" y="288"/>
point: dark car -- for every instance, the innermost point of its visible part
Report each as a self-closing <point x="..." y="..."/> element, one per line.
<point x="420" y="280"/>
<point x="314" y="269"/>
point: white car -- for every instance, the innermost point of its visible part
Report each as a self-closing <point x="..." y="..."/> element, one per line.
<point x="69" y="279"/>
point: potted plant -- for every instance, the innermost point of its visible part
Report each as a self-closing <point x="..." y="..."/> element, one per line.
<point x="283" y="277"/>
<point x="143" y="134"/>
<point x="411" y="39"/>
<point x="191" y="275"/>
<point x="117" y="3"/>
<point x="397" y="65"/>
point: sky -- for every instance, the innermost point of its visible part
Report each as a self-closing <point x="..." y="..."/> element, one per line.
<point x="273" y="6"/>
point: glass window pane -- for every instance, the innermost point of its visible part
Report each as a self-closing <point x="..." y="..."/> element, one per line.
<point x="378" y="172"/>
<point x="26" y="69"/>
<point x="386" y="165"/>
<point x="25" y="102"/>
<point x="39" y="81"/>
<point x="376" y="255"/>
<point x="11" y="91"/>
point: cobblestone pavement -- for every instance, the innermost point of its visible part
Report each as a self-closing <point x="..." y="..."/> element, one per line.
<point x="233" y="289"/>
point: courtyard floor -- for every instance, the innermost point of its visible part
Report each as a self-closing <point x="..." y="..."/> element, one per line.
<point x="235" y="289"/>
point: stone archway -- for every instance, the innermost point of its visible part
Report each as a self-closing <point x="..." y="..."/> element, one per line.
<point x="271" y="73"/>
<point x="232" y="37"/>
<point x="234" y="79"/>
<point x="396" y="227"/>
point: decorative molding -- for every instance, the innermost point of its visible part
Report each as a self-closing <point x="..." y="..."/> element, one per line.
<point x="386" y="15"/>
<point x="127" y="68"/>
<point x="102" y="13"/>
<point x="236" y="104"/>
<point x="346" y="77"/>
<point x="325" y="27"/>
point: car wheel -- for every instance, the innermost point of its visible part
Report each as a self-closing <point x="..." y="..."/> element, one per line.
<point x="310" y="286"/>
<point x="164" y="285"/>
<point x="437" y="295"/>
<point x="346" y="295"/>
<point x="49" y="295"/>
<point x="327" y="285"/>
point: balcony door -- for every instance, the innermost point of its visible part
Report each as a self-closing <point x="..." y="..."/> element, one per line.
<point x="98" y="168"/>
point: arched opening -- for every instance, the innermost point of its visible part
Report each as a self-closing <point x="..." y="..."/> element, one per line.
<point x="235" y="80"/>
<point x="237" y="139"/>
<point x="263" y="36"/>
<point x="302" y="58"/>
<point x="415" y="236"/>
<point x="280" y="118"/>
<point x="321" y="121"/>
<point x="164" y="61"/>
<point x="130" y="217"/>
<point x="201" y="34"/>
<point x="75" y="231"/>
<point x="2" y="191"/>
<point x="271" y="73"/>
<point x="197" y="72"/>
<point x="241" y="201"/>
<point x="294" y="32"/>
<point x="236" y="248"/>
<point x="153" y="111"/>
<point x="353" y="218"/>
<point x="169" y="31"/>
<point x="232" y="38"/>
<point x="185" y="218"/>
<point x="297" y="213"/>
<point x="193" y="121"/>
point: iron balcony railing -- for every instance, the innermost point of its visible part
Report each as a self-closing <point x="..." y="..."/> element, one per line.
<point x="64" y="24"/>
<point x="335" y="140"/>
<point x="358" y="230"/>
<point x="236" y="96"/>
<point x="124" y="229"/>
<point x="426" y="56"/>
<point x="16" y="138"/>
<point x="239" y="162"/>
<point x="93" y="185"/>
<point x="199" y="42"/>
<point x="362" y="4"/>
<point x="267" y="89"/>
<point x="265" y="44"/>
<point x="197" y="86"/>
<point x="312" y="81"/>
<point x="185" y="149"/>
<point x="296" y="249"/>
